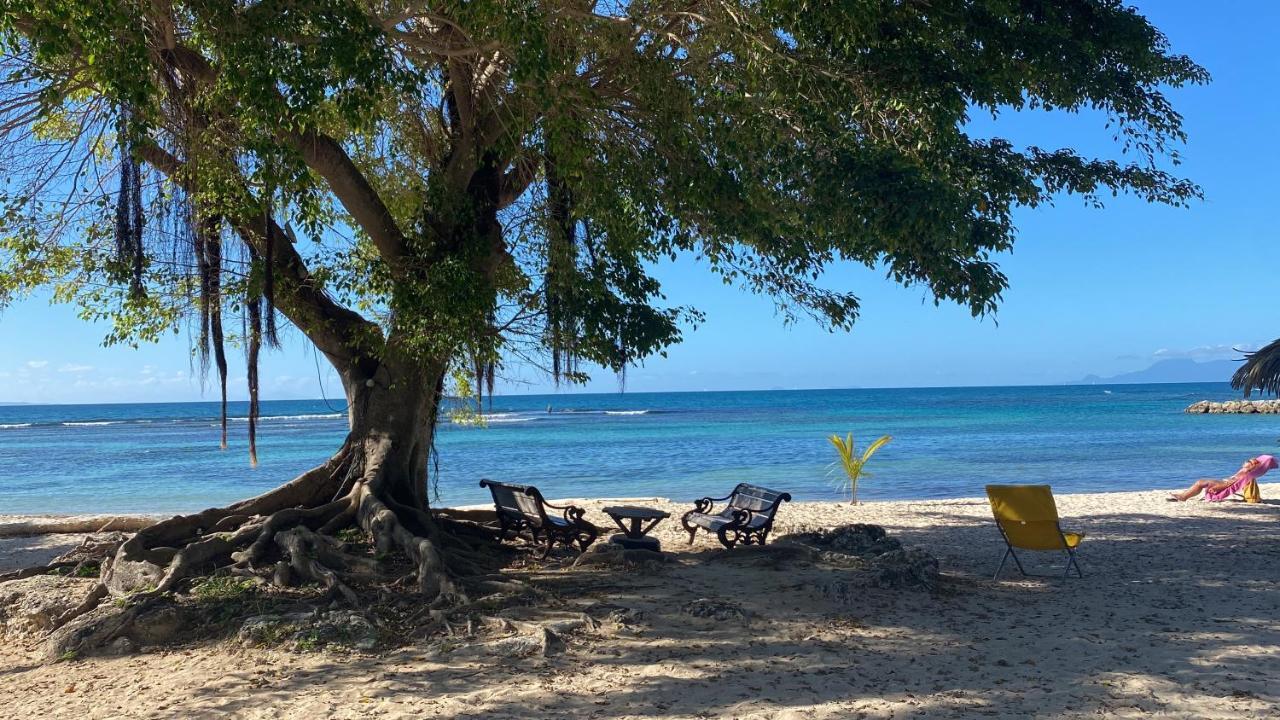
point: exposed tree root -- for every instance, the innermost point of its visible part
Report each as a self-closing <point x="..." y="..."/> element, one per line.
<point x="37" y="570"/>
<point x="96" y="628"/>
<point x="287" y="537"/>
<point x="287" y="518"/>
<point x="90" y="603"/>
<point x="389" y="533"/>
<point x="318" y="558"/>
<point x="92" y="554"/>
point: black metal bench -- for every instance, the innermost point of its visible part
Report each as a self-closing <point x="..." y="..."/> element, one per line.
<point x="521" y="508"/>
<point x="745" y="519"/>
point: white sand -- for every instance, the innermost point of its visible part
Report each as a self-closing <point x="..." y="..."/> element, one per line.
<point x="1176" y="617"/>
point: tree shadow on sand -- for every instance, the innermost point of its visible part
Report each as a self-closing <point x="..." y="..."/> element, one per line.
<point x="1174" y="615"/>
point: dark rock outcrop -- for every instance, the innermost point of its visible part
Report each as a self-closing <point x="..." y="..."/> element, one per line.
<point x="882" y="562"/>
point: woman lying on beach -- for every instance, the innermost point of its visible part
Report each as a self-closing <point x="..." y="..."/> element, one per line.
<point x="1252" y="469"/>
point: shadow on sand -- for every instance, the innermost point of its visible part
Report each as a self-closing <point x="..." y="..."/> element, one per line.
<point x="1168" y="618"/>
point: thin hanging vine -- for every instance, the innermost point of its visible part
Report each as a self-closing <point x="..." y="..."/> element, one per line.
<point x="129" y="216"/>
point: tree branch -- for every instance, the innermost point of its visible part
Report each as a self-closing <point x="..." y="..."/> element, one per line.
<point x="524" y="170"/>
<point x="324" y="155"/>
<point x="337" y="331"/>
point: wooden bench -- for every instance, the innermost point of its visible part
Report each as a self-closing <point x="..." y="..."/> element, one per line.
<point x="746" y="518"/>
<point x="521" y="508"/>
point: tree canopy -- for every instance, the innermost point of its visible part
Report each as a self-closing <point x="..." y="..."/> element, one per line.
<point x="462" y="182"/>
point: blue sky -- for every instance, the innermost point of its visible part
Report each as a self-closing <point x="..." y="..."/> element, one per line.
<point x="1092" y="291"/>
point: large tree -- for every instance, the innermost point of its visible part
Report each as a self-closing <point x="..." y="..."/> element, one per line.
<point x="426" y="188"/>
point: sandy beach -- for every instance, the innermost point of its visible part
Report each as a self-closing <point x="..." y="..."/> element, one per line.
<point x="1176" y="617"/>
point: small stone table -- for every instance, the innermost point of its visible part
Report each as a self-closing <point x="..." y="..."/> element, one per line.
<point x="635" y="522"/>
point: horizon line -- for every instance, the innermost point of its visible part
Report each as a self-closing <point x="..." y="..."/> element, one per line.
<point x="663" y="392"/>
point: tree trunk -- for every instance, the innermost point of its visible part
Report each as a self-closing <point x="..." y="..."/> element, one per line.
<point x="377" y="480"/>
<point x="393" y="418"/>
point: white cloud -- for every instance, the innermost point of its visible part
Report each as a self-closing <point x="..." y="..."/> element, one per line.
<point x="37" y="364"/>
<point x="1206" y="352"/>
<point x="73" y="368"/>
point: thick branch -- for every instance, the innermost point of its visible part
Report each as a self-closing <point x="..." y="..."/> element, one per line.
<point x="324" y="155"/>
<point x="337" y="331"/>
<point x="515" y="181"/>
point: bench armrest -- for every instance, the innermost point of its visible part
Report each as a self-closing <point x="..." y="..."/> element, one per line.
<point x="704" y="505"/>
<point x="572" y="513"/>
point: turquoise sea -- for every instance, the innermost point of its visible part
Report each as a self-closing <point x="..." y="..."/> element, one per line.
<point x="948" y="442"/>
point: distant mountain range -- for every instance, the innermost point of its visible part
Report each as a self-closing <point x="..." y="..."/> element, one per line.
<point x="1179" y="370"/>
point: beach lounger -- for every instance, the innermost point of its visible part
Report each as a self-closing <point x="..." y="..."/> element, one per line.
<point x="1028" y="520"/>
<point x="1246" y="486"/>
<point x="521" y="508"/>
<point x="746" y="518"/>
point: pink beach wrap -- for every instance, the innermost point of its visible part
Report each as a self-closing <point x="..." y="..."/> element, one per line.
<point x="1242" y="478"/>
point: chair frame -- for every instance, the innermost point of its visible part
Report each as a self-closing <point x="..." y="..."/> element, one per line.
<point x="738" y="530"/>
<point x="540" y="527"/>
<point x="1066" y="572"/>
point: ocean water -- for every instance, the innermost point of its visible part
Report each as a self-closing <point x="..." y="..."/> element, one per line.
<point x="948" y="442"/>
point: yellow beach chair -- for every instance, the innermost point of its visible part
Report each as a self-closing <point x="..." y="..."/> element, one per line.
<point x="1028" y="520"/>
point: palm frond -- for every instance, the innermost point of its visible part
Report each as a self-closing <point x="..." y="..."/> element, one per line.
<point x="1261" y="371"/>
<point x="879" y="443"/>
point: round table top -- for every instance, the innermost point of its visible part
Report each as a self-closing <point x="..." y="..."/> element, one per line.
<point x="635" y="511"/>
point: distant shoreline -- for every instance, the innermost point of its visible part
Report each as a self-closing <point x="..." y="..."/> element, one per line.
<point x="641" y="393"/>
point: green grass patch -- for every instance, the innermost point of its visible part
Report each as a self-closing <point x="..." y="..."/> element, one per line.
<point x="223" y="588"/>
<point x="310" y="642"/>
<point x="352" y="535"/>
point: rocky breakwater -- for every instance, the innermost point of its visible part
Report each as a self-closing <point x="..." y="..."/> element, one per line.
<point x="1236" y="407"/>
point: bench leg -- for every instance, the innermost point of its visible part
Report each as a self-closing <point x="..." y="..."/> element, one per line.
<point x="586" y="535"/>
<point x="691" y="529"/>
